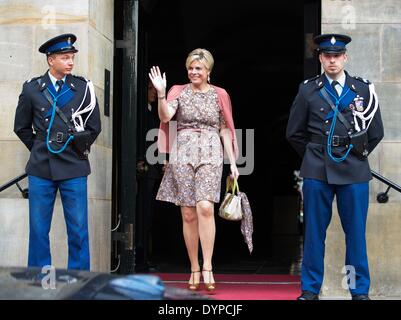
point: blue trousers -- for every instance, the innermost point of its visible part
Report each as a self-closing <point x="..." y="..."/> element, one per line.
<point x="42" y="195"/>
<point x="352" y="204"/>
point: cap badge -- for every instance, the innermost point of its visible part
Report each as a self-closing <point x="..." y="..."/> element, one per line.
<point x="69" y="40"/>
<point x="333" y="40"/>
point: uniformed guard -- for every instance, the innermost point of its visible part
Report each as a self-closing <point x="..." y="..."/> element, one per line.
<point x="58" y="119"/>
<point x="334" y="124"/>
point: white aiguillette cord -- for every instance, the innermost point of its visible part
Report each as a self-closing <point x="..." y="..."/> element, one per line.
<point x="79" y="124"/>
<point x="361" y="115"/>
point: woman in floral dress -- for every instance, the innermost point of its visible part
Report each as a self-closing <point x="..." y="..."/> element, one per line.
<point x="192" y="180"/>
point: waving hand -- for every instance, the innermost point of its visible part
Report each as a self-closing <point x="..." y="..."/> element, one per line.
<point x="159" y="81"/>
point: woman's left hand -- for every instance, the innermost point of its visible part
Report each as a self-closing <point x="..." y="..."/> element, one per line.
<point x="234" y="171"/>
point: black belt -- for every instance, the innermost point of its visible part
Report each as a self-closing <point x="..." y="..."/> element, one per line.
<point x="59" y="137"/>
<point x="336" y="141"/>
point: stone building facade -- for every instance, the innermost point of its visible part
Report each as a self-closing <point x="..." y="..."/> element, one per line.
<point x="374" y="25"/>
<point x="374" y="54"/>
<point x="24" y="26"/>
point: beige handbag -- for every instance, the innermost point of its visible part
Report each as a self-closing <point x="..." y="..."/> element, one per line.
<point x="230" y="208"/>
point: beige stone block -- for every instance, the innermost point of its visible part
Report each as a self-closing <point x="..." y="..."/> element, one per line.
<point x="391" y="169"/>
<point x="14" y="232"/>
<point x="360" y="11"/>
<point x="101" y="17"/>
<point x="99" y="181"/>
<point x="104" y="241"/>
<point x="390" y="99"/>
<point x="100" y="235"/>
<point x="384" y="248"/>
<point x="109" y="173"/>
<point x="8" y="249"/>
<point x="100" y="140"/>
<point x="391" y="49"/>
<point x="105" y="137"/>
<point x="101" y="56"/>
<point x="13" y="158"/>
<point x="10" y="91"/>
<point x="16" y="47"/>
<point x="14" y="225"/>
<point x="107" y="129"/>
<point x="43" y="12"/>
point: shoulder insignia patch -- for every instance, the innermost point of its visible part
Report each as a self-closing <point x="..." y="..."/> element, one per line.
<point x="362" y="79"/>
<point x="32" y="79"/>
<point x="311" y="79"/>
<point x="80" y="78"/>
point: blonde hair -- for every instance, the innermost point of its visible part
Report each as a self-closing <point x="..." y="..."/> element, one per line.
<point x="201" y="55"/>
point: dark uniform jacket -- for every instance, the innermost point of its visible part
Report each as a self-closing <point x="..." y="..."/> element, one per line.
<point x="311" y="115"/>
<point x="32" y="120"/>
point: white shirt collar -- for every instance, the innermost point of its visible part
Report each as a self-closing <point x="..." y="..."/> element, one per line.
<point x="53" y="80"/>
<point x="149" y="107"/>
<point x="340" y="80"/>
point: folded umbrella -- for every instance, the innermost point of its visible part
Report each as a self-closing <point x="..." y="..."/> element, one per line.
<point x="247" y="220"/>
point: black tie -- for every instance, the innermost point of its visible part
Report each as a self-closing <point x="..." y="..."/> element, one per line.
<point x="60" y="85"/>
<point x="333" y="85"/>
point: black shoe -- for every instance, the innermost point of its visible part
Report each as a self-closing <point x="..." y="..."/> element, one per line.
<point x="307" y="295"/>
<point x="360" y="297"/>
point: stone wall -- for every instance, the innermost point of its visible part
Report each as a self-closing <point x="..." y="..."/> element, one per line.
<point x="24" y="26"/>
<point x="374" y="54"/>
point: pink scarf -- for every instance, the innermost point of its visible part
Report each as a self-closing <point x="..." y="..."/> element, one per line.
<point x="224" y="102"/>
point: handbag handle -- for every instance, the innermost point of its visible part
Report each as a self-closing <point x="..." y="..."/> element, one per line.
<point x="234" y="185"/>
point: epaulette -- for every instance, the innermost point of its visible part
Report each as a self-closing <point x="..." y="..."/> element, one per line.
<point x="32" y="79"/>
<point x="80" y="78"/>
<point x="311" y="79"/>
<point x="362" y="79"/>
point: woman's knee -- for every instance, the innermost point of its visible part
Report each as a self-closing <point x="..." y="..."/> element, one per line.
<point x="205" y="208"/>
<point x="188" y="214"/>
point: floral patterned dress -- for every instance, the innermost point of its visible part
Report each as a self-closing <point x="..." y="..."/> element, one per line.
<point x="196" y="158"/>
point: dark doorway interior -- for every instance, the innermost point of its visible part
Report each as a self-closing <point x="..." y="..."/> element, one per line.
<point x="258" y="48"/>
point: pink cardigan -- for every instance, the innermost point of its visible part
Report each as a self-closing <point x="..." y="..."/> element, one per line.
<point x="224" y="103"/>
